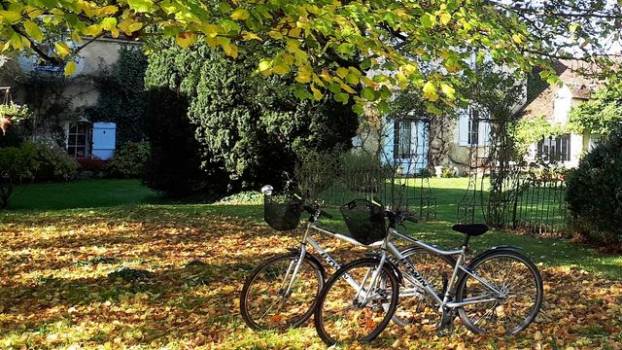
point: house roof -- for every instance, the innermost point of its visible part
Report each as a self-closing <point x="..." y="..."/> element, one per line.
<point x="575" y="75"/>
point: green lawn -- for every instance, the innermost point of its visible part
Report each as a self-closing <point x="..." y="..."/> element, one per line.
<point x="80" y="194"/>
<point x="123" y="197"/>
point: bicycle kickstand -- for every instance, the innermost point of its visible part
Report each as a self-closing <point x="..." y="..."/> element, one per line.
<point x="446" y="325"/>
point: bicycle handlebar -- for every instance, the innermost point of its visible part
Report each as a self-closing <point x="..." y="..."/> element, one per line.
<point x="314" y="211"/>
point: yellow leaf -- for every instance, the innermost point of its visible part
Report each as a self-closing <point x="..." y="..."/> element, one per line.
<point x="230" y="49"/>
<point x="275" y="35"/>
<point x="62" y="49"/>
<point x="247" y="36"/>
<point x="92" y="30"/>
<point x="15" y="41"/>
<point x="281" y="69"/>
<point x="70" y="68"/>
<point x="429" y="92"/>
<point x="11" y="17"/>
<point x="33" y="31"/>
<point x="517" y="38"/>
<point x="448" y="90"/>
<point x="108" y="10"/>
<point x="33" y="12"/>
<point x="445" y="18"/>
<point x="348" y="89"/>
<point x="240" y="14"/>
<point x="304" y="75"/>
<point x="317" y="94"/>
<point x="295" y="32"/>
<point x="211" y="30"/>
<point x="129" y="25"/>
<point x="134" y="27"/>
<point x="76" y="38"/>
<point x="264" y="65"/>
<point x="185" y="39"/>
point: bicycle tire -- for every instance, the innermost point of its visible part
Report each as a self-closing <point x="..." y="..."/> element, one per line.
<point x="295" y="321"/>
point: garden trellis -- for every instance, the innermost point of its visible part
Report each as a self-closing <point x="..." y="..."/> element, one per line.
<point x="503" y="191"/>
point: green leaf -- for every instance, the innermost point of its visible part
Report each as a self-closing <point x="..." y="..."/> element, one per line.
<point x="109" y="23"/>
<point x="369" y="94"/>
<point x="342" y="97"/>
<point x="428" y="20"/>
<point x="342" y="72"/>
<point x="33" y="31"/>
<point x="141" y="5"/>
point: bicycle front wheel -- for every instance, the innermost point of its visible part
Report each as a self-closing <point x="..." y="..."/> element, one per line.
<point x="347" y="313"/>
<point x="274" y="298"/>
<point x="517" y="280"/>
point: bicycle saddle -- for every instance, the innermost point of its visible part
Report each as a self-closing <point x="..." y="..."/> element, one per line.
<point x="470" y="229"/>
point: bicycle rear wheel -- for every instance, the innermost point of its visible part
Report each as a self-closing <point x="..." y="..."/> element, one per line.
<point x="516" y="277"/>
<point x="264" y="303"/>
<point x="344" y="314"/>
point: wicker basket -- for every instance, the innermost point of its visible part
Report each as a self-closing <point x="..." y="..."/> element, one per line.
<point x="365" y="220"/>
<point x="282" y="213"/>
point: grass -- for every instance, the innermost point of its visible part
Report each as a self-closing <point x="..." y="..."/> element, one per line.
<point x="80" y="194"/>
<point x="67" y="249"/>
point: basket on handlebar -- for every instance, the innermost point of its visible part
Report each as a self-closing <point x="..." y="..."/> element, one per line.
<point x="282" y="213"/>
<point x="365" y="221"/>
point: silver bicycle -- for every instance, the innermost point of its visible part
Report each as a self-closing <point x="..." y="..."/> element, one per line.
<point x="282" y="291"/>
<point x="499" y="291"/>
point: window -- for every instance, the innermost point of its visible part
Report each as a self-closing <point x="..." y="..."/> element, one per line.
<point x="474" y="127"/>
<point x="402" y="145"/>
<point x="79" y="140"/>
<point x="554" y="149"/>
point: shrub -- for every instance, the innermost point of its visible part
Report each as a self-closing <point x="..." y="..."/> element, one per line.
<point x="129" y="160"/>
<point x="248" y="128"/>
<point x="37" y="161"/>
<point x="175" y="163"/>
<point x="18" y="163"/>
<point x="255" y="126"/>
<point x="594" y="192"/>
<point x="54" y="163"/>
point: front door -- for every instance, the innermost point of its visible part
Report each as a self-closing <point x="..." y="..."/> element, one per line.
<point x="409" y="145"/>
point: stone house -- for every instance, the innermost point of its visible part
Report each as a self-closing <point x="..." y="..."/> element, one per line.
<point x="415" y="142"/>
<point x="82" y="138"/>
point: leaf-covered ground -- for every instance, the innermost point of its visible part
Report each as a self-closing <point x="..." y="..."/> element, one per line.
<point x="163" y="276"/>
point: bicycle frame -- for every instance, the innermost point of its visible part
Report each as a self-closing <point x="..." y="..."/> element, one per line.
<point x="307" y="240"/>
<point x="412" y="274"/>
<point x="458" y="267"/>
